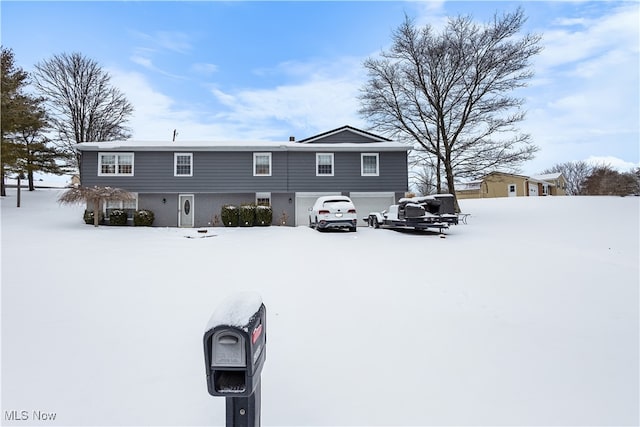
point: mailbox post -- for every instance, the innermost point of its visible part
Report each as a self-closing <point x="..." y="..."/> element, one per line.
<point x="235" y="351"/>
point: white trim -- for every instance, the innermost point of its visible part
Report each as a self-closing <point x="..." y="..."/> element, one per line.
<point x="175" y="164"/>
<point x="254" y="164"/>
<point x="377" y="156"/>
<point x="120" y="203"/>
<point x="115" y="146"/>
<point x="333" y="164"/>
<point x="116" y="164"/>
<point x="263" y="195"/>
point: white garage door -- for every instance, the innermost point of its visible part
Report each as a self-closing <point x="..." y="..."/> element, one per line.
<point x="371" y="202"/>
<point x="303" y="202"/>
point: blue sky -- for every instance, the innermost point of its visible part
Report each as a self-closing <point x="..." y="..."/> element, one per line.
<point x="268" y="70"/>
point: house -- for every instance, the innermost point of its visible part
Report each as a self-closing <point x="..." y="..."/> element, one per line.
<point x="186" y="184"/>
<point x="554" y="184"/>
<point x="501" y="184"/>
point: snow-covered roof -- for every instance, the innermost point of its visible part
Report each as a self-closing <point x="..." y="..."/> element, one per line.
<point x="237" y="146"/>
<point x="547" y="176"/>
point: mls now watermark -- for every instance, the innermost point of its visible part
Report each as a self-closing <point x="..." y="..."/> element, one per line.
<point x="29" y="415"/>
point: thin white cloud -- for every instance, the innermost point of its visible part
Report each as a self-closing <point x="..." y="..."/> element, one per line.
<point x="204" y="68"/>
<point x="156" y="115"/>
<point x="175" y="41"/>
<point x="323" y="97"/>
<point x="614" y="162"/>
<point x="143" y="61"/>
<point x="585" y="102"/>
<point x="568" y="44"/>
<point x="150" y="46"/>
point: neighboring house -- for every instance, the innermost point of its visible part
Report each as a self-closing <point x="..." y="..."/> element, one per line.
<point x="500" y="184"/>
<point x="186" y="184"/>
<point x="554" y="184"/>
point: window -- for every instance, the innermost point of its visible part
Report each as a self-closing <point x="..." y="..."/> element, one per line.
<point x="263" y="199"/>
<point x="115" y="164"/>
<point x="369" y="164"/>
<point x="183" y="164"/>
<point x="129" y="206"/>
<point x="261" y="164"/>
<point x="324" y="164"/>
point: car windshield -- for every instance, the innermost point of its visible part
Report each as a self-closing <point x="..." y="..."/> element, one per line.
<point x="337" y="204"/>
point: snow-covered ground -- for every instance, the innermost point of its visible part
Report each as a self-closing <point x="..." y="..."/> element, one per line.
<point x="528" y="315"/>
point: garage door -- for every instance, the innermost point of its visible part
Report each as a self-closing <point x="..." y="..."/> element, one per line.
<point x="371" y="202"/>
<point x="303" y="202"/>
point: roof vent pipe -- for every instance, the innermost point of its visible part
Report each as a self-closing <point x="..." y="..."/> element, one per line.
<point x="292" y="138"/>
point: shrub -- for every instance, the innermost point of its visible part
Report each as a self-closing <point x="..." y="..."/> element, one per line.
<point x="88" y="217"/>
<point x="247" y="215"/>
<point x="229" y="215"/>
<point x="117" y="217"/>
<point x="264" y="215"/>
<point x="143" y="217"/>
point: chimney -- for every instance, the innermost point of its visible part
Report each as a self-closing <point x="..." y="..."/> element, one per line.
<point x="292" y="139"/>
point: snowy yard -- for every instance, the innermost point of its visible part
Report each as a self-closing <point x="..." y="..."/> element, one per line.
<point x="528" y="315"/>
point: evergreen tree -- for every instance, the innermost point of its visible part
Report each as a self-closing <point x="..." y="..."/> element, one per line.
<point x="35" y="152"/>
<point x="25" y="147"/>
<point x="13" y="79"/>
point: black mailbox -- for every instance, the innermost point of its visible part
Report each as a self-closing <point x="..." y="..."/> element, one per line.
<point x="235" y="354"/>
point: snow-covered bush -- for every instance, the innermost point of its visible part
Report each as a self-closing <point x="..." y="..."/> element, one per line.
<point x="229" y="215"/>
<point x="88" y="217"/>
<point x="117" y="217"/>
<point x="143" y="217"/>
<point x="247" y="215"/>
<point x="264" y="215"/>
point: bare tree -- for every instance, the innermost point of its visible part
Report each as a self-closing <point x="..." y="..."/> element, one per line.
<point x="575" y="174"/>
<point x="83" y="105"/>
<point x="422" y="173"/>
<point x="448" y="93"/>
<point x="95" y="196"/>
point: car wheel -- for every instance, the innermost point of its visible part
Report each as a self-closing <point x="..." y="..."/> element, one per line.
<point x="310" y="223"/>
<point x="353" y="229"/>
<point x="375" y="222"/>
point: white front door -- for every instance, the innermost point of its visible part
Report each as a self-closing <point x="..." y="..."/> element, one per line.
<point x="185" y="210"/>
<point x="511" y="189"/>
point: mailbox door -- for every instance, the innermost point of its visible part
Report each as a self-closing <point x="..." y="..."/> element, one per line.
<point x="228" y="349"/>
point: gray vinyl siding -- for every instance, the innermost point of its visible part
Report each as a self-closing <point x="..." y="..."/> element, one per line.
<point x="347" y="173"/>
<point x="220" y="172"/>
<point x="232" y="172"/>
<point x="207" y="207"/>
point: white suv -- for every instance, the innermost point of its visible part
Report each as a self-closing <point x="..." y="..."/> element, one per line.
<point x="333" y="212"/>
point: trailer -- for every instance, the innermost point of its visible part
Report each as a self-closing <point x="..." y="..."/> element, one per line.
<point x="417" y="213"/>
